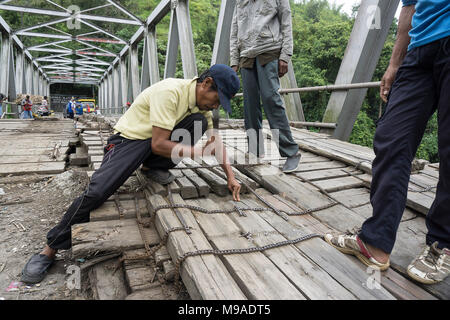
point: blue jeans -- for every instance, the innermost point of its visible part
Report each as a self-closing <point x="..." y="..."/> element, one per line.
<point x="261" y="84"/>
<point x="27" y="115"/>
<point x="1" y="110"/>
<point x="420" y="88"/>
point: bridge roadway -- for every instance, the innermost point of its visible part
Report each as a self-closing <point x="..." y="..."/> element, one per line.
<point x="333" y="183"/>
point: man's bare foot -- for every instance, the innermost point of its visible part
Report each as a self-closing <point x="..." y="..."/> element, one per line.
<point x="378" y="254"/>
<point x="49" y="252"/>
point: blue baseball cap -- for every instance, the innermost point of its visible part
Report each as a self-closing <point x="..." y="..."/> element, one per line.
<point x="227" y="83"/>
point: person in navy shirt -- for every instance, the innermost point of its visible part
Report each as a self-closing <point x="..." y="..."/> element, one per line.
<point x="416" y="84"/>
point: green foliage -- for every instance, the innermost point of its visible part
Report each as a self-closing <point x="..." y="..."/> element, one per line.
<point x="363" y="131"/>
<point x="428" y="149"/>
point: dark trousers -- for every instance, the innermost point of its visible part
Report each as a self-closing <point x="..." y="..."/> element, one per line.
<point x="261" y="84"/>
<point x="421" y="87"/>
<point x="118" y="165"/>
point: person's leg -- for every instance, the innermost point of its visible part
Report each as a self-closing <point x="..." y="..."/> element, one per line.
<point x="119" y="163"/>
<point x="399" y="132"/>
<point x="269" y="84"/>
<point x="252" y="111"/>
<point x="411" y="103"/>
<point x="194" y="126"/>
<point x="438" y="218"/>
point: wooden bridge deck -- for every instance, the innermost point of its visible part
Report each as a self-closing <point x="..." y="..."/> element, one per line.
<point x="333" y="182"/>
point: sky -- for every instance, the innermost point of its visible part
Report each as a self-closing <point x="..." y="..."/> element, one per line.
<point x="348" y="4"/>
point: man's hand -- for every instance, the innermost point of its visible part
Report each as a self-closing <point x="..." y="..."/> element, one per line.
<point x="386" y="82"/>
<point x="235" y="188"/>
<point x="235" y="68"/>
<point x="282" y="68"/>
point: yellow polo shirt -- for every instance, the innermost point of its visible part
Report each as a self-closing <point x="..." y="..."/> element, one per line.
<point x="163" y="105"/>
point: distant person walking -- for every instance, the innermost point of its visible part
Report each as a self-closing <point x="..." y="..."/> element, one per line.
<point x="261" y="46"/>
<point x="2" y="98"/>
<point x="27" y="108"/>
<point x="70" y="109"/>
<point x="415" y="85"/>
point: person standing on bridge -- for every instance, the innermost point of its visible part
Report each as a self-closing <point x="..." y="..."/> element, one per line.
<point x="27" y="108"/>
<point x="415" y="85"/>
<point x="160" y="128"/>
<point x="261" y="46"/>
<point x="2" y="97"/>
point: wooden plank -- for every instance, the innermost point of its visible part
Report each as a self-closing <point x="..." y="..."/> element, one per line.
<point x="338" y="265"/>
<point x="352" y="198"/>
<point x="366" y="212"/>
<point x="89" y="239"/>
<point x="325" y="174"/>
<point x="205" y="277"/>
<point x="161" y="255"/>
<point x="109" y="211"/>
<point x="303" y="167"/>
<point x="11" y="159"/>
<point x="139" y="275"/>
<point x="289" y="187"/>
<point x="217" y="184"/>
<point x="29" y="168"/>
<point x="307" y="276"/>
<point x="361" y="163"/>
<point x="419" y="201"/>
<point x="107" y="284"/>
<point x="257" y="276"/>
<point x="187" y="188"/>
<point x="338" y="184"/>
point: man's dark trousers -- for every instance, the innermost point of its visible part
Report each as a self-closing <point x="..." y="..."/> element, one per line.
<point x="261" y="84"/>
<point x="118" y="165"/>
<point x="421" y="87"/>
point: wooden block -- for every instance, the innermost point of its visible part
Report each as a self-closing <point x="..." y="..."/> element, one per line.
<point x="169" y="270"/>
<point x="96" y="158"/>
<point x="187" y="188"/>
<point x="161" y="255"/>
<point x="109" y="211"/>
<point x="89" y="239"/>
<point x="107" y="284"/>
<point x="139" y="274"/>
<point x="205" y="277"/>
<point x="218" y="185"/>
<point x="201" y="185"/>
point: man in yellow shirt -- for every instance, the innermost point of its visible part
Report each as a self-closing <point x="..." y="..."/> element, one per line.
<point x="160" y="128"/>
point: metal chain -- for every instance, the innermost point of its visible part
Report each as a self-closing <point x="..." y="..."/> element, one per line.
<point x="182" y="258"/>
<point x="235" y="209"/>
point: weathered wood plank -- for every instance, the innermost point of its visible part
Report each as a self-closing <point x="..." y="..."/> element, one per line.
<point x="89" y="239"/>
<point x="339" y="266"/>
<point x="107" y="284"/>
<point x="325" y="174"/>
<point x="338" y="184"/>
<point x="205" y="277"/>
<point x="109" y="211"/>
<point x="29" y="168"/>
<point x="187" y="188"/>
<point x="257" y="276"/>
<point x="307" y="276"/>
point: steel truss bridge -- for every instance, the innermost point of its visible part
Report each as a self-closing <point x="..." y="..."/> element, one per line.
<point x="120" y="77"/>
